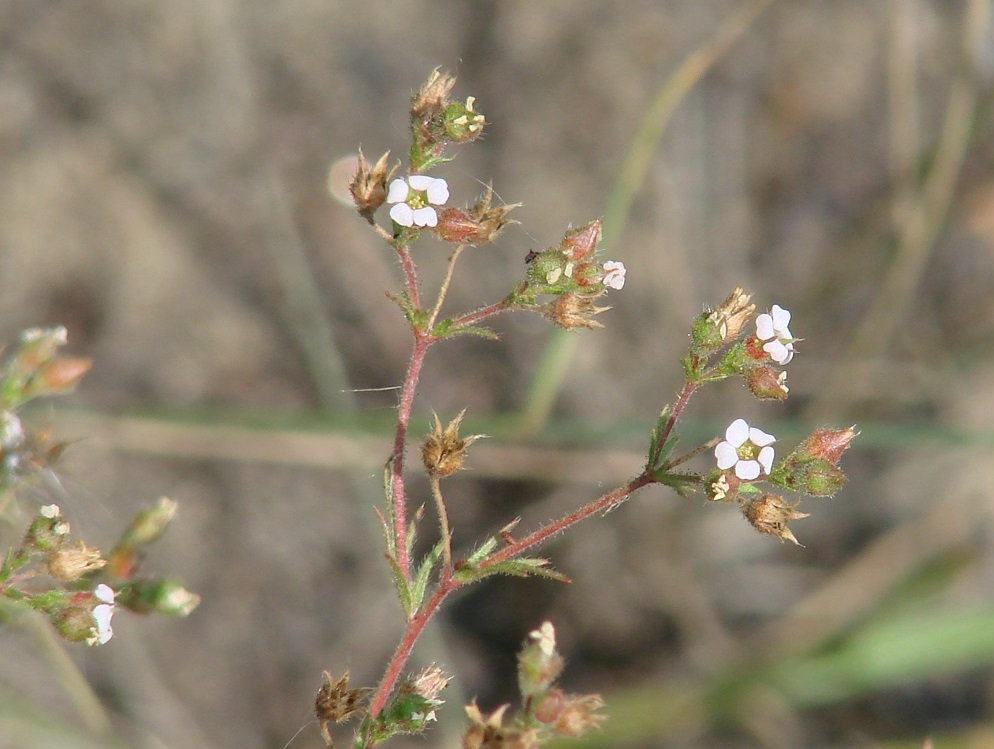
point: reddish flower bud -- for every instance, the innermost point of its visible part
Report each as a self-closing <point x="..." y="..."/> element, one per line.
<point x="827" y="444"/>
<point x="580" y="244"/>
<point x="766" y="383"/>
<point x="480" y="224"/>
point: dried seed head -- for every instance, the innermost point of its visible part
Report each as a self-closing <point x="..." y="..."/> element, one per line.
<point x="443" y="450"/>
<point x="572" y="311"/>
<point x="369" y="186"/>
<point x="72" y="562"/>
<point x="770" y="514"/>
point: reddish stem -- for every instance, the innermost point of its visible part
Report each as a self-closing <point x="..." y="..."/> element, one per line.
<point x="410" y="275"/>
<point x="448" y="584"/>
<point x="480" y="314"/>
<point x="415" y="626"/>
<point x="601" y="504"/>
<point x="421" y="344"/>
<point x="681" y="403"/>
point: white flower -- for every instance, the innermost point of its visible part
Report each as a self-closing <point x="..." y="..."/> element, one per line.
<point x="414" y="198"/>
<point x="102" y="614"/>
<point x="546" y="638"/>
<point x="772" y="328"/>
<point x="747" y="449"/>
<point x="614" y="274"/>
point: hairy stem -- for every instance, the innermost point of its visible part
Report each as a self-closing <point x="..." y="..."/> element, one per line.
<point x="421" y="344"/>
<point x="445" y="287"/>
<point x="443" y="523"/>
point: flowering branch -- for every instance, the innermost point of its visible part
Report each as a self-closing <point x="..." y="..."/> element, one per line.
<point x="563" y="283"/>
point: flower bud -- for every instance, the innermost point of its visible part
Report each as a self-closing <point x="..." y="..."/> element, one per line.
<point x="369" y="186"/>
<point x="828" y="444"/>
<point x="770" y="514"/>
<point x="580" y="244"/>
<point x="480" y="224"/>
<point x="164" y="596"/>
<point x="48" y="531"/>
<point x="766" y="383"/>
<point x="813" y="476"/>
<point x="539" y="665"/>
<point x="59" y="376"/>
<point x="83" y="616"/>
<point x="462" y="122"/>
<point x="570" y="715"/>
<point x="719" y="326"/>
<point x="151" y="522"/>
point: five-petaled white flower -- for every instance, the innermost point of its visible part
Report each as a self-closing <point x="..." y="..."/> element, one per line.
<point x="102" y="614"/>
<point x="772" y="328"/>
<point x="414" y="198"/>
<point x="747" y="449"/>
<point x="614" y="274"/>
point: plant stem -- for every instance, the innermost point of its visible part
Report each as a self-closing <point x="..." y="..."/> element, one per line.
<point x="443" y="523"/>
<point x="414" y="628"/>
<point x="421" y="344"/>
<point x="681" y="403"/>
<point x="602" y="504"/>
<point x="445" y="287"/>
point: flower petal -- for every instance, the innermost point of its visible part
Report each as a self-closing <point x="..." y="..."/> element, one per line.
<point x="760" y="438"/>
<point x="104" y="593"/>
<point x="764" y="327"/>
<point x="403" y="214"/>
<point x="781" y="317"/>
<point x="737" y="433"/>
<point x="398" y="192"/>
<point x="438" y="191"/>
<point x="420" y="182"/>
<point x="425" y="216"/>
<point x="726" y="455"/>
<point x="747" y="470"/>
<point x="765" y="459"/>
<point x="778" y="352"/>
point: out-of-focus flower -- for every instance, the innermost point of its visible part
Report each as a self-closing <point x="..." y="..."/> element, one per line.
<point x="772" y="329"/>
<point x="414" y="197"/>
<point x="102" y="614"/>
<point x="614" y="274"/>
<point x="747" y="449"/>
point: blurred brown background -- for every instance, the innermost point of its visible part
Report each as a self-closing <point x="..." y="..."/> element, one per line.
<point x="162" y="194"/>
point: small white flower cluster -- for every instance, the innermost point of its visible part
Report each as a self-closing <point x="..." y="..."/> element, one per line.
<point x="746" y="449"/>
<point x="614" y="274"/>
<point x="102" y="614"/>
<point x="414" y="197"/>
<point x="772" y="329"/>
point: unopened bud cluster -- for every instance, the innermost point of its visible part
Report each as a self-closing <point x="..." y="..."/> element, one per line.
<point x="548" y="711"/>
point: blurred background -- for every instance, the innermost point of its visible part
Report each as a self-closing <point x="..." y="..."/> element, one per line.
<point x="163" y="171"/>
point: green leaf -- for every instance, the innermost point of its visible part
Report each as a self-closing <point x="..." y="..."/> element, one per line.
<point x="526" y="567"/>
<point x="682" y="483"/>
<point x="423" y="574"/>
<point x="443" y="330"/>
<point x="404" y="593"/>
